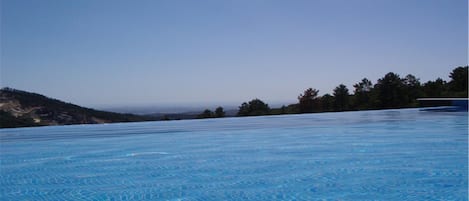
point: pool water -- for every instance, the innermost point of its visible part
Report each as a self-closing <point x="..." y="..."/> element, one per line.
<point x="405" y="154"/>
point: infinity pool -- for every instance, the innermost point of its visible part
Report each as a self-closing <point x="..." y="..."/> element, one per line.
<point x="371" y="155"/>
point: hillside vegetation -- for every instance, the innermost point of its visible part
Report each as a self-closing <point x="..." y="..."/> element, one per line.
<point x="20" y="108"/>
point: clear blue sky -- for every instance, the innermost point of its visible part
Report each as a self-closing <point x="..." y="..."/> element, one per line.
<point x="114" y="53"/>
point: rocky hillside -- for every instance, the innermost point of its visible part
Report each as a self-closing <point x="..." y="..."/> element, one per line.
<point x="20" y="109"/>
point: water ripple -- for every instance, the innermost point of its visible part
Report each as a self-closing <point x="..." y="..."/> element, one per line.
<point x="390" y="155"/>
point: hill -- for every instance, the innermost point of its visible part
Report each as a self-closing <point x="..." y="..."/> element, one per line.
<point x="21" y="109"/>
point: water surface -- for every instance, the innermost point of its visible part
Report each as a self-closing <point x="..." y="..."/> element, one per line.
<point x="370" y="155"/>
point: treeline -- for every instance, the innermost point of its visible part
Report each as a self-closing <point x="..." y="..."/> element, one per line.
<point x="219" y="112"/>
<point x="390" y="91"/>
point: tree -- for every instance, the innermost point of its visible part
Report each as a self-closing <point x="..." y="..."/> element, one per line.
<point x="291" y="109"/>
<point x="219" y="112"/>
<point x="255" y="107"/>
<point x="413" y="88"/>
<point x="435" y="88"/>
<point x="458" y="83"/>
<point x="206" y="114"/>
<point x="244" y="109"/>
<point x="341" y="98"/>
<point x="363" y="86"/>
<point x="327" y="102"/>
<point x="308" y="100"/>
<point x="390" y="91"/>
<point x="362" y="94"/>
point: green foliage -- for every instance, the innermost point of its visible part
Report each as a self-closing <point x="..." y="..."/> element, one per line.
<point x="9" y="121"/>
<point x="289" y="109"/>
<point x="52" y="110"/>
<point x="255" y="107"/>
<point x="219" y="112"/>
<point x="458" y="83"/>
<point x="362" y="94"/>
<point x="293" y="109"/>
<point x="341" y="98"/>
<point x="206" y="114"/>
<point x="437" y="88"/>
<point x="391" y="91"/>
<point x="413" y="89"/>
<point x="327" y="102"/>
<point x="308" y="101"/>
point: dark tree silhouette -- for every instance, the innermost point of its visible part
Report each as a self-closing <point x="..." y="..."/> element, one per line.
<point x="327" y="102"/>
<point x="413" y="89"/>
<point x="435" y="88"/>
<point x="390" y="91"/>
<point x="362" y="94"/>
<point x="458" y="83"/>
<point x="206" y="114"/>
<point x="255" y="107"/>
<point x="244" y="109"/>
<point x="341" y="98"/>
<point x="219" y="112"/>
<point x="308" y="100"/>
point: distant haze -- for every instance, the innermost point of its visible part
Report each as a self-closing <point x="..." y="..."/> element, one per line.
<point x="176" y="108"/>
<point x="163" y="109"/>
<point x="114" y="53"/>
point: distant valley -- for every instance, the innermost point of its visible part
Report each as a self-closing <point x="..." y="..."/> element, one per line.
<point x="20" y="108"/>
<point x="165" y="110"/>
<point x="24" y="109"/>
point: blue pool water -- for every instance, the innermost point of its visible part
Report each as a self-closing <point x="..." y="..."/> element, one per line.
<point x="370" y="155"/>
